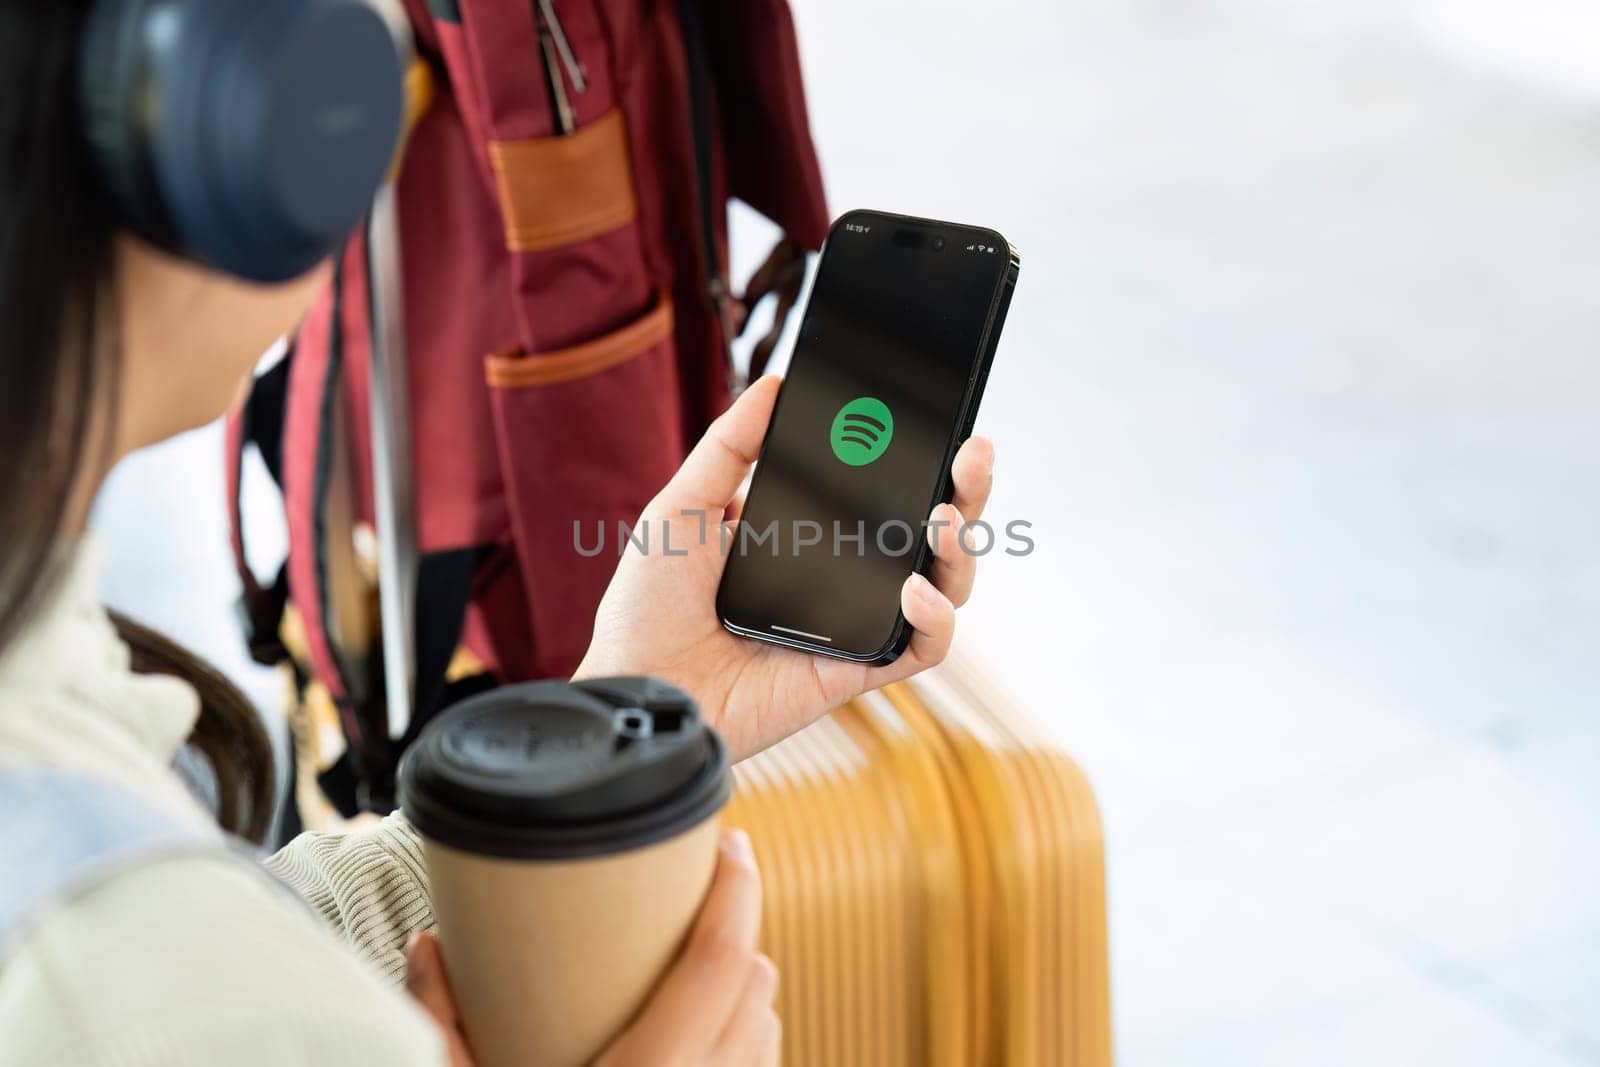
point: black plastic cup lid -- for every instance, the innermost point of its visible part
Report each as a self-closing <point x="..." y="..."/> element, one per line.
<point x="557" y="770"/>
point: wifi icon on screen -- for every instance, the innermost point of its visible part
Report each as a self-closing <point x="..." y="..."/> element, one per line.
<point x="862" y="431"/>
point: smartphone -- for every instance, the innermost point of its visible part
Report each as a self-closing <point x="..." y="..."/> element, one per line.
<point x="891" y="361"/>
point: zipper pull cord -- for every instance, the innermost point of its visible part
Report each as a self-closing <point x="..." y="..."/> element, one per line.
<point x="575" y="71"/>
<point x="558" y="90"/>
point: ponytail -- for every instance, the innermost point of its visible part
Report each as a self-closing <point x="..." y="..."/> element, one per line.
<point x="228" y="733"/>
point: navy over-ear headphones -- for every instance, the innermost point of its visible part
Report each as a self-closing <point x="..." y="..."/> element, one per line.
<point x="250" y="135"/>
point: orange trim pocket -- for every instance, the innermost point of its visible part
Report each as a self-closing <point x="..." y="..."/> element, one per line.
<point x="585" y="437"/>
<point x="561" y="190"/>
<point x="514" y="369"/>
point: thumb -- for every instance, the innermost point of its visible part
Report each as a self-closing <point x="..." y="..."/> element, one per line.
<point x="429" y="986"/>
<point x="713" y="472"/>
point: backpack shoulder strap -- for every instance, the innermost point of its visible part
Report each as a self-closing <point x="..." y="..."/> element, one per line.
<point x="63" y="833"/>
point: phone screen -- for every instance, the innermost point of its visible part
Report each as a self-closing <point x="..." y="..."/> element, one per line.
<point x="857" y="453"/>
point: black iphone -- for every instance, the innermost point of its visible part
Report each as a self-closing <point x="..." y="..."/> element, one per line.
<point x="892" y="358"/>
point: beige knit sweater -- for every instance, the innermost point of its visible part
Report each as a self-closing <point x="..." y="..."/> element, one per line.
<point x="193" y="960"/>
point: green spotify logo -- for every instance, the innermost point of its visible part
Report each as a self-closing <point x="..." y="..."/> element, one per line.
<point x="862" y="431"/>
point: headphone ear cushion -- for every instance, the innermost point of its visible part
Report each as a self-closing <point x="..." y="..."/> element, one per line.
<point x="111" y="76"/>
<point x="250" y="135"/>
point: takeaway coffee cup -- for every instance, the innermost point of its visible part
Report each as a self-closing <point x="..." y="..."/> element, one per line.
<point x="570" y="836"/>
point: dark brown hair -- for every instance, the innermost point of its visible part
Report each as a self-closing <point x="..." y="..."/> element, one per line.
<point x="58" y="371"/>
<point x="229" y="732"/>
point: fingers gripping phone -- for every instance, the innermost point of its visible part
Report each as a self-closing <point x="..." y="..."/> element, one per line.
<point x="892" y="358"/>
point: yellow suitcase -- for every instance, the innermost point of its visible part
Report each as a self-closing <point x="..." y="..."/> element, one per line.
<point x="935" y="883"/>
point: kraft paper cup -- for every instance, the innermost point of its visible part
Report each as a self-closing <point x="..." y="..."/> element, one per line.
<point x="570" y="836"/>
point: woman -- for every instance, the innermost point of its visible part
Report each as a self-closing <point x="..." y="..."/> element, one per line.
<point x="199" y="958"/>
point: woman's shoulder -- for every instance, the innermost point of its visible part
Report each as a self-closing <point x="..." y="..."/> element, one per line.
<point x="196" y="959"/>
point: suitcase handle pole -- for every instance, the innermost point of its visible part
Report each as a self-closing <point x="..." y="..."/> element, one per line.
<point x="393" y="488"/>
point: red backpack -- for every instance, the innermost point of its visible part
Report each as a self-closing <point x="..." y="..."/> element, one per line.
<point x="562" y="220"/>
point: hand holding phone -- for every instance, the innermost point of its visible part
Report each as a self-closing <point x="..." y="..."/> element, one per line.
<point x="659" y="617"/>
<point x="892" y="359"/>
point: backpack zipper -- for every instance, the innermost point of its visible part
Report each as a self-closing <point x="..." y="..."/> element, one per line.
<point x="717" y="286"/>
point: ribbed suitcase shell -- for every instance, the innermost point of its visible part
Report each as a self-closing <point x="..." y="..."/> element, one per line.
<point x="935" y="883"/>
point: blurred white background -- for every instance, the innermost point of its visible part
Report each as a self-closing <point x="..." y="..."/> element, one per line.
<point x="1300" y="393"/>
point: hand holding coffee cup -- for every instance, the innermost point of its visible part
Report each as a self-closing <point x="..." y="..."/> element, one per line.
<point x="570" y="836"/>
<point x="715" y="1007"/>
